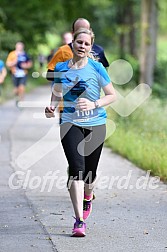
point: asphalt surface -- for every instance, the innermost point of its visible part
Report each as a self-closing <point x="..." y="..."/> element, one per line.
<point x="129" y="212"/>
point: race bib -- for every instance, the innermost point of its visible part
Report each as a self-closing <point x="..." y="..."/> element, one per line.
<point x="84" y="116"/>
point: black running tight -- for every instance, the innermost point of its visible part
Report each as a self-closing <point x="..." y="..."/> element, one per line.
<point x="82" y="147"/>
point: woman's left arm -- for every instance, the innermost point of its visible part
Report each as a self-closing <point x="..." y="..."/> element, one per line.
<point x="109" y="97"/>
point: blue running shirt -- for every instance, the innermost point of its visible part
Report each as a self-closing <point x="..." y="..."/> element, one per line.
<point x="1" y="65"/>
<point x="85" y="82"/>
<point x="21" y="58"/>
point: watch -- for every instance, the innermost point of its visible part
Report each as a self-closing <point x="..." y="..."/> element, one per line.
<point x="96" y="104"/>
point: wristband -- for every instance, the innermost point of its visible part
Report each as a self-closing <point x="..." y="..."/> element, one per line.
<point x="96" y="104"/>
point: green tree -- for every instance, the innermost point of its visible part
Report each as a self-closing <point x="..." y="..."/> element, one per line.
<point x="148" y="40"/>
<point x="30" y="19"/>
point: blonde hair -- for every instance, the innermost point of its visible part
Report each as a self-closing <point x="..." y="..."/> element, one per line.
<point x="89" y="32"/>
<point x="86" y="31"/>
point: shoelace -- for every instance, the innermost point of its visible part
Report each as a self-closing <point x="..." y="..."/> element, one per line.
<point x="86" y="205"/>
<point x="78" y="224"/>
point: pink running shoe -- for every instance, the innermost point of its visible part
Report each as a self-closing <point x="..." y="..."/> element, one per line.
<point x="79" y="228"/>
<point x="87" y="208"/>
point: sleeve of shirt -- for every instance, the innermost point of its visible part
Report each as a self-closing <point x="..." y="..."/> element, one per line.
<point x="27" y="57"/>
<point x="11" y="57"/>
<point x="1" y="64"/>
<point x="103" y="59"/>
<point x="57" y="57"/>
<point x="104" y="78"/>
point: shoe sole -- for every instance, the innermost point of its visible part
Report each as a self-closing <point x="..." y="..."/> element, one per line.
<point x="78" y="234"/>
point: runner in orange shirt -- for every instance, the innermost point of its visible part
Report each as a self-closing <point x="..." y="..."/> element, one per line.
<point x="19" y="62"/>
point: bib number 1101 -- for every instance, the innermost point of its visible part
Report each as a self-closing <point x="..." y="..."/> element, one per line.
<point x="84" y="113"/>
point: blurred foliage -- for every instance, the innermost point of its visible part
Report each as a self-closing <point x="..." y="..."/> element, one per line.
<point x="115" y="23"/>
<point x="160" y="79"/>
<point x="142" y="136"/>
<point x="35" y="18"/>
<point x="162" y="4"/>
<point x="160" y="73"/>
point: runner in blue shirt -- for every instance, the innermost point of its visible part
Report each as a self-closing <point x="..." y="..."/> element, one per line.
<point x="82" y="84"/>
<point x="3" y="73"/>
<point x="19" y="62"/>
<point x="82" y="128"/>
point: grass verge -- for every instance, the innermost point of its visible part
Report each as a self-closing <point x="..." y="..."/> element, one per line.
<point x="142" y="137"/>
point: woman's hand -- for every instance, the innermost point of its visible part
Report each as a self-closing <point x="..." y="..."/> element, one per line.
<point x="85" y="104"/>
<point x="49" y="112"/>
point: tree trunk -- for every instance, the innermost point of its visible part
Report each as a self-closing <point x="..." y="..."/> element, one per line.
<point x="132" y="32"/>
<point x="122" y="45"/>
<point x="122" y="22"/>
<point x="148" y="40"/>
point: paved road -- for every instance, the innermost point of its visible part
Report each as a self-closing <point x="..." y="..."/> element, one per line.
<point x="36" y="212"/>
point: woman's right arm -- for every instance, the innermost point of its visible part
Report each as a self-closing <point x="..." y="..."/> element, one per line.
<point x="56" y="97"/>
